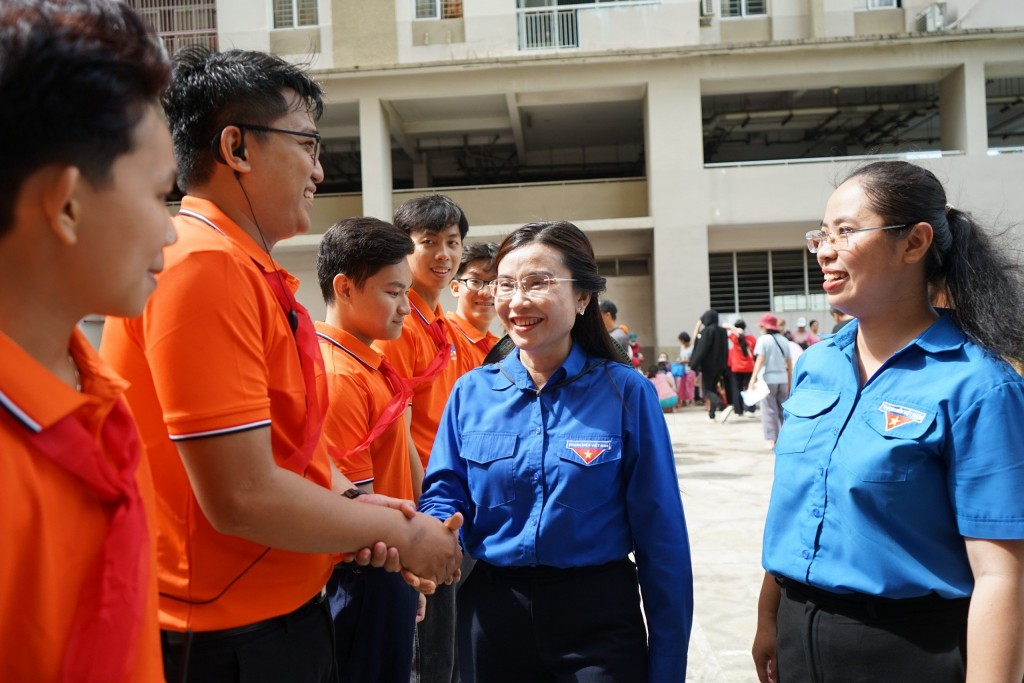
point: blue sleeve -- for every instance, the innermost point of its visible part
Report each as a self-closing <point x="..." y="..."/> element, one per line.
<point x="662" y="548"/>
<point x="445" y="487"/>
<point x="986" y="474"/>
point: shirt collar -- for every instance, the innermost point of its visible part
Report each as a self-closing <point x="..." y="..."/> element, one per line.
<point x="423" y="309"/>
<point x="38" y="399"/>
<point x="466" y="328"/>
<point x="941" y="335"/>
<point x="512" y="367"/>
<point x="347" y="342"/>
<point x="234" y="232"/>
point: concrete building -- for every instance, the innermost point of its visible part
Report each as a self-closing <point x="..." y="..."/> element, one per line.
<point x="696" y="141"/>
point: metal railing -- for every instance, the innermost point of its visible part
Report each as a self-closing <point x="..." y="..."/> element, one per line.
<point x="853" y="158"/>
<point x="548" y="29"/>
<point x="181" y="22"/>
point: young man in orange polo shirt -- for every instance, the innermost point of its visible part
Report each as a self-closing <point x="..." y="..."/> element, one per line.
<point x="365" y="278"/>
<point x="85" y="169"/>
<point x="474" y="310"/>
<point x="222" y="365"/>
<point x="426" y="357"/>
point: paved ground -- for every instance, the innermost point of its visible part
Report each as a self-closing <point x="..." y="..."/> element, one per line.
<point x="725" y="474"/>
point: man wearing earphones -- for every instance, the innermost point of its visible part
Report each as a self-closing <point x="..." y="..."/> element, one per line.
<point x="222" y="368"/>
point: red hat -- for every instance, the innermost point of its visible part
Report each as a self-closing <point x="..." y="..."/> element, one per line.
<point x="769" y="322"/>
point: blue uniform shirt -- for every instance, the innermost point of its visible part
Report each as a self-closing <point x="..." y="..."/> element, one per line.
<point x="580" y="473"/>
<point x="876" y="486"/>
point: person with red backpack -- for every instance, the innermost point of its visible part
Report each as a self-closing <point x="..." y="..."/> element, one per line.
<point x="741" y="364"/>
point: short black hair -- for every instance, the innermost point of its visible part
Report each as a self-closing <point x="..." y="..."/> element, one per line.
<point x="358" y="248"/>
<point x="684" y="336"/>
<point x="610" y="307"/>
<point x="431" y="213"/>
<point x="76" y="78"/>
<point x="211" y="90"/>
<point x="478" y="251"/>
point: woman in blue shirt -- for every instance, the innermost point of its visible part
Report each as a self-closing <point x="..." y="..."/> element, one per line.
<point x="560" y="460"/>
<point x="893" y="545"/>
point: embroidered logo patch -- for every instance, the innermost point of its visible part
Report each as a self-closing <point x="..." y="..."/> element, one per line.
<point x="588" y="451"/>
<point x="896" y="416"/>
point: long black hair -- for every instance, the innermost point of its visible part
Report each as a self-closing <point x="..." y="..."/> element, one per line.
<point x="578" y="255"/>
<point x="980" y="283"/>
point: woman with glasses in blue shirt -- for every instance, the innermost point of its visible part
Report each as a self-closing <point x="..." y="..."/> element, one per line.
<point x="560" y="459"/>
<point x="893" y="545"/>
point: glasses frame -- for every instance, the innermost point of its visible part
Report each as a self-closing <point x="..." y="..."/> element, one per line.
<point x="519" y="286"/>
<point x="315" y="156"/>
<point x="821" y="236"/>
<point x="485" y="285"/>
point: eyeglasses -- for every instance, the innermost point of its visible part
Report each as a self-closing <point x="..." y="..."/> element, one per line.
<point x="312" y="147"/>
<point x="840" y="239"/>
<point x="532" y="286"/>
<point x="475" y="284"/>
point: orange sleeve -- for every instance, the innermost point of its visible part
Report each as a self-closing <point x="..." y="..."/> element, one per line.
<point x="205" y="346"/>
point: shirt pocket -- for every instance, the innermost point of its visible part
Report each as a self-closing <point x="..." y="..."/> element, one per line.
<point x="489" y="467"/>
<point x="893" y="443"/>
<point x="589" y="471"/>
<point x="802" y="413"/>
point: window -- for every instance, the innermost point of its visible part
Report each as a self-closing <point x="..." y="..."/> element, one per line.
<point x="438" y="9"/>
<point x="883" y="4"/>
<point x="293" y="13"/>
<point x="777" y="281"/>
<point x="744" y="8"/>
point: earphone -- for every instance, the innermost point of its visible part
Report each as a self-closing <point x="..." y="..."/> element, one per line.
<point x="237" y="151"/>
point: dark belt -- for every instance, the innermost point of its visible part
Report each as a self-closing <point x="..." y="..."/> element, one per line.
<point x="179" y="638"/>
<point x="862" y="606"/>
<point x="544" y="572"/>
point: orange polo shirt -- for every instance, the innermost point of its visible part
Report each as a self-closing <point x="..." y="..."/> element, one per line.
<point x="51" y="525"/>
<point x="471" y="345"/>
<point x="358" y="395"/>
<point x="213" y="354"/>
<point x="410" y="354"/>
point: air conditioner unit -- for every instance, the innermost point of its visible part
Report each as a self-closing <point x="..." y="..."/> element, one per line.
<point x="934" y="17"/>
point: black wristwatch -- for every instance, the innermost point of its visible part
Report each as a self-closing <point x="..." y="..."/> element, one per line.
<point x="354" y="493"/>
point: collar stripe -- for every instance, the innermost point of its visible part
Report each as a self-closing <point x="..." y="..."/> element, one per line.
<point x="331" y="340"/>
<point x="19" y="414"/>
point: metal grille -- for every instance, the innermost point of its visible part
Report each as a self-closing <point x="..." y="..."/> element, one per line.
<point x="539" y="29"/>
<point x="181" y="22"/>
<point x="764" y="281"/>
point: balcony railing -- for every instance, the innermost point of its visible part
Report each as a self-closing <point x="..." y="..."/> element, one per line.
<point x="548" y="29"/>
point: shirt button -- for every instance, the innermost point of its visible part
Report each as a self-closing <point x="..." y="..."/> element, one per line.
<point x="821" y="471"/>
<point x="535" y="477"/>
<point x="816" y="512"/>
<point x="537" y="430"/>
<point x="805" y="554"/>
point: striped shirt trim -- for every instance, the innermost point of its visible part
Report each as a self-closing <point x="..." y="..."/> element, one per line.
<point x="221" y="432"/>
<point x="334" y="342"/>
<point x="19" y="414"/>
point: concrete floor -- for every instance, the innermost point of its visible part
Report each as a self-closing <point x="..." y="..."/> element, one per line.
<point x="725" y="475"/>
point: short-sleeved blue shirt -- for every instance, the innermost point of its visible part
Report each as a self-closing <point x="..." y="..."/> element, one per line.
<point x="877" y="486"/>
<point x="579" y="473"/>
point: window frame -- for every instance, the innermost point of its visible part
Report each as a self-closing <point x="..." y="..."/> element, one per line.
<point x="294" y="15"/>
<point x="439" y="8"/>
<point x="877" y="4"/>
<point x="744" y="9"/>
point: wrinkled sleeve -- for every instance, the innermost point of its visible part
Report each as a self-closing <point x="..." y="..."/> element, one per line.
<point x="445" y="487"/>
<point x="660" y="539"/>
<point x="346" y="425"/>
<point x="986" y="475"/>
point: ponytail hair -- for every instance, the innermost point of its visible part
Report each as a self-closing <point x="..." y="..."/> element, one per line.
<point x="578" y="256"/>
<point x="977" y="280"/>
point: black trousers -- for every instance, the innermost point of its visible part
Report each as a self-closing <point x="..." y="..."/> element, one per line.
<point x="823" y="638"/>
<point x="295" y="647"/>
<point x="547" y="625"/>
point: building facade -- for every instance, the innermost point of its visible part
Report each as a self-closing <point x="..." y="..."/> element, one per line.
<point x="696" y="141"/>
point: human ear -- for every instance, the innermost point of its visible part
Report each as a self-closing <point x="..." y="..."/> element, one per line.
<point x="583" y="301"/>
<point x="342" y="287"/>
<point x="229" y="148"/>
<point x="60" y="202"/>
<point x="918" y="242"/>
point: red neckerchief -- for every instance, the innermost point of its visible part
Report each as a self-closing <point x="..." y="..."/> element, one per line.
<point x="109" y="614"/>
<point x="309" y="360"/>
<point x="395" y="408"/>
<point x="437" y="331"/>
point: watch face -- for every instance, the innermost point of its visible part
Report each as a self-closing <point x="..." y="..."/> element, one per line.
<point x="353" y="493"/>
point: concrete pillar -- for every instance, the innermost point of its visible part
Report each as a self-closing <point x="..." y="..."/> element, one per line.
<point x="962" y="112"/>
<point x="375" y="153"/>
<point x="677" y="202"/>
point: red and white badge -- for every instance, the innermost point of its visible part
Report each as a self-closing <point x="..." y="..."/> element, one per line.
<point x="896" y="416"/>
<point x="588" y="451"/>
